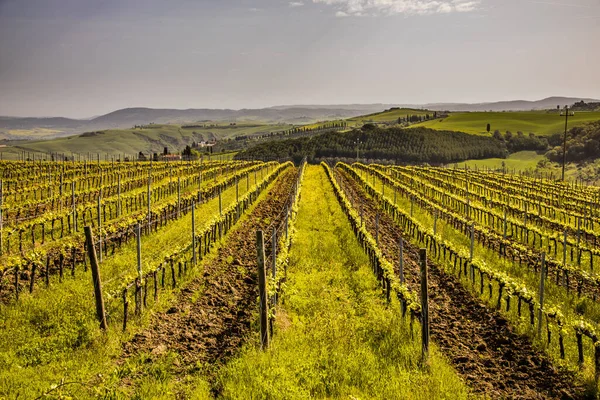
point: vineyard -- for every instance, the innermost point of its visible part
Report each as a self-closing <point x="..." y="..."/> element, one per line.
<point x="215" y="279"/>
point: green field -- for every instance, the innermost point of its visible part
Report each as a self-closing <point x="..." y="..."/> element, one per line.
<point x="391" y="115"/>
<point x="539" y="122"/>
<point x="150" y="139"/>
<point x="520" y="161"/>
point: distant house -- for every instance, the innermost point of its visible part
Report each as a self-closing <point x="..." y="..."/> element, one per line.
<point x="170" y="157"/>
<point x="206" y="144"/>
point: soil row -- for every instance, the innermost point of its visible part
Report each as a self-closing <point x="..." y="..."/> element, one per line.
<point x="479" y="342"/>
<point x="211" y="316"/>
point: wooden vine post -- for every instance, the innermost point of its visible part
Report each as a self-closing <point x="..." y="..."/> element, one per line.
<point x="274" y="260"/>
<point x="99" y="229"/>
<point x="472" y="242"/>
<point x="565" y="259"/>
<point x="377" y="229"/>
<point x="361" y="214"/>
<point x="119" y="196"/>
<point x="542" y="287"/>
<point x="262" y="290"/>
<point x="1" y="217"/>
<point x="424" y="307"/>
<point x="193" y="232"/>
<point x="178" y="195"/>
<point x="74" y="208"/>
<point x="138" y="239"/>
<point x="401" y="267"/>
<point x="505" y="226"/>
<point x="220" y="203"/>
<point x="100" y="311"/>
<point x="149" y="198"/>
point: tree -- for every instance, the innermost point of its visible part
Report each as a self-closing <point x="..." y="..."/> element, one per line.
<point x="488" y="128"/>
<point x="497" y="135"/>
<point x="165" y="151"/>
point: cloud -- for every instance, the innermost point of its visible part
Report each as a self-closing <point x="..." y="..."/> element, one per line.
<point x="296" y="4"/>
<point x="347" y="8"/>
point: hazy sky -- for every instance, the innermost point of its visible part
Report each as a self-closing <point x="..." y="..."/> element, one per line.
<point x="80" y="58"/>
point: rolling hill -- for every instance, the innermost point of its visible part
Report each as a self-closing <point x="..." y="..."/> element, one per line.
<point x="150" y="139"/>
<point x="20" y="128"/>
<point x="539" y="122"/>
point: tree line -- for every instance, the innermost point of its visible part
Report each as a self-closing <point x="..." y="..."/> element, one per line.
<point x="414" y="145"/>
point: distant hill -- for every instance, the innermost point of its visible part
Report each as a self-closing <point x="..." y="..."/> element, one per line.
<point x="15" y="128"/>
<point x="514" y="105"/>
<point x="129" y="117"/>
<point x="543" y="123"/>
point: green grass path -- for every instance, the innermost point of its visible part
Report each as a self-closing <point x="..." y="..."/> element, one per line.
<point x="335" y="336"/>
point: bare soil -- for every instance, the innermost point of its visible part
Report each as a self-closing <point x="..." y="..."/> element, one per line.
<point x="212" y="315"/>
<point x="479" y="342"/>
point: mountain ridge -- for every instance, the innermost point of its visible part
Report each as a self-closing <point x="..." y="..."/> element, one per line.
<point x="128" y="117"/>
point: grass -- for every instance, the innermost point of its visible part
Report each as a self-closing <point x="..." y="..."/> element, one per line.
<point x="523" y="161"/>
<point x="555" y="296"/>
<point x="35" y="133"/>
<point x="520" y="161"/>
<point x="539" y="122"/>
<point x="335" y="336"/>
<point x="387" y="116"/>
<point x="53" y="337"/>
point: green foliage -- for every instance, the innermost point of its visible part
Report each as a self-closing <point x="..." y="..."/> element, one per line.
<point x="336" y="338"/>
<point x="583" y="143"/>
<point x="542" y="123"/>
<point x="400" y="145"/>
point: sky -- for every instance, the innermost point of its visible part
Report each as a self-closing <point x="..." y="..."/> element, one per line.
<point x="82" y="58"/>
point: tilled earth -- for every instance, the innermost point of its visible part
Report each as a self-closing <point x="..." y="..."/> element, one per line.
<point x="494" y="360"/>
<point x="211" y="317"/>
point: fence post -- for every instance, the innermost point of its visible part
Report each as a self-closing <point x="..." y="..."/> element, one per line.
<point x="100" y="312"/>
<point x="262" y="289"/>
<point x="542" y="286"/>
<point x="424" y="307"/>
